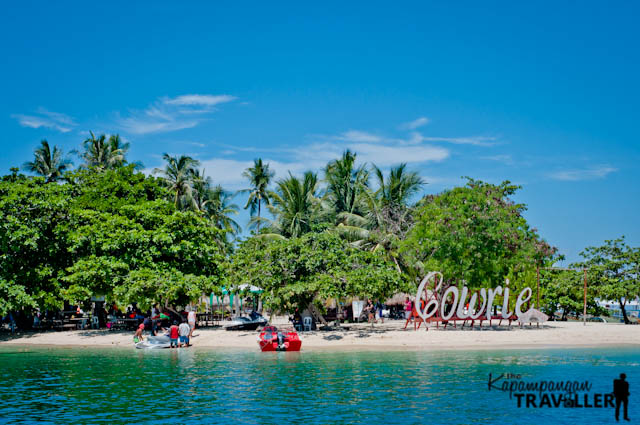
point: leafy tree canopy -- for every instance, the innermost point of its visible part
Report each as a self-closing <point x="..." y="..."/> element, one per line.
<point x="315" y="267"/>
<point x="475" y="234"/>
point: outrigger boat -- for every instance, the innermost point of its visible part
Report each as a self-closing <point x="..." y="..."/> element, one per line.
<point x="272" y="339"/>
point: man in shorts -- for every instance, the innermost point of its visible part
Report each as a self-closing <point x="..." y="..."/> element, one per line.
<point x="183" y="331"/>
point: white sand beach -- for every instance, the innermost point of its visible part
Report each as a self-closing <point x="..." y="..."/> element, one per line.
<point x="387" y="336"/>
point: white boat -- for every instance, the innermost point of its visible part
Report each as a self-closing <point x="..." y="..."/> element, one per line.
<point x="154" y="342"/>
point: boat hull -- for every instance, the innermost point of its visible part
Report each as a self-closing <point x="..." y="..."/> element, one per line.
<point x="289" y="341"/>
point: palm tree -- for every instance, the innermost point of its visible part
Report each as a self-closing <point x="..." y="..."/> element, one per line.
<point x="399" y="187"/>
<point x="388" y="214"/>
<point x="46" y="163"/>
<point x="101" y="154"/>
<point x="215" y="203"/>
<point x="118" y="149"/>
<point x="259" y="178"/>
<point x="219" y="209"/>
<point x="295" y="205"/>
<point x="346" y="184"/>
<point x="178" y="173"/>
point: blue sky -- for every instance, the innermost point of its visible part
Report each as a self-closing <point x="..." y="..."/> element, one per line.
<point x="543" y="94"/>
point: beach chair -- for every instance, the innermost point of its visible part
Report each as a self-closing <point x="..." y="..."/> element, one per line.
<point x="307" y="323"/>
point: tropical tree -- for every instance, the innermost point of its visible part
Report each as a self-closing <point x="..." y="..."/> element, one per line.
<point x="49" y="164"/>
<point x="178" y="174"/>
<point x="119" y="149"/>
<point x="219" y="208"/>
<point x="215" y="203"/>
<point x="475" y="234"/>
<point x="399" y="187"/>
<point x="295" y="206"/>
<point x="102" y="154"/>
<point x="259" y="177"/>
<point x="387" y="215"/>
<point x="615" y="267"/>
<point x="346" y="184"/>
<point x="303" y="272"/>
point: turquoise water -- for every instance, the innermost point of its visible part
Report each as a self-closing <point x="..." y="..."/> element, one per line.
<point x="199" y="386"/>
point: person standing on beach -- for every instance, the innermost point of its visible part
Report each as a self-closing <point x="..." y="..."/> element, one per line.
<point x="174" y="333"/>
<point x="408" y="311"/>
<point x="184" y="331"/>
<point x="191" y="317"/>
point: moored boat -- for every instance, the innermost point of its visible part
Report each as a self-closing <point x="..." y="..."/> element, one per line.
<point x="272" y="339"/>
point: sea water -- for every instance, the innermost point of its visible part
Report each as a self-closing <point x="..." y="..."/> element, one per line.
<point x="105" y="386"/>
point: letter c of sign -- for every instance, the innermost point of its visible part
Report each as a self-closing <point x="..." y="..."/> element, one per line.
<point x="421" y="290"/>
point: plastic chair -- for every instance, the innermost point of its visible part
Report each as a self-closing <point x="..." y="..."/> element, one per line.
<point x="95" y="322"/>
<point x="307" y="322"/>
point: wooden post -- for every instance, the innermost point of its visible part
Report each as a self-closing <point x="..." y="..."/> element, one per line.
<point x="584" y="314"/>
<point x="538" y="292"/>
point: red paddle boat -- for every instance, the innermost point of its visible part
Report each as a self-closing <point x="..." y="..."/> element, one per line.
<point x="272" y="339"/>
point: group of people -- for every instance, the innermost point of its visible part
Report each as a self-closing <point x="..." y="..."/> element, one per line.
<point x="374" y="311"/>
<point x="180" y="332"/>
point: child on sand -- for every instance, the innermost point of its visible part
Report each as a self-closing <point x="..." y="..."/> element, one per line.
<point x="137" y="337"/>
<point x="174" y="332"/>
<point x="184" y="330"/>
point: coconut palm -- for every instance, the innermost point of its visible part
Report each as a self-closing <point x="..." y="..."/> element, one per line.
<point x="259" y="178"/>
<point x="219" y="209"/>
<point x="346" y="184"/>
<point x="46" y="163"/>
<point x="102" y="154"/>
<point x="119" y="149"/>
<point x="295" y="206"/>
<point x="399" y="187"/>
<point x="178" y="174"/>
<point x="388" y="215"/>
<point x="215" y="203"/>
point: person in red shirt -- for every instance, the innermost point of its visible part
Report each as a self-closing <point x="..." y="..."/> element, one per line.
<point x="173" y="334"/>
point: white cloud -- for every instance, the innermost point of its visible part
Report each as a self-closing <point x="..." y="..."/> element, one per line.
<point x="171" y="114"/>
<point x="47" y="119"/>
<point x="199" y="99"/>
<point x="412" y="125"/>
<point x="388" y="155"/>
<point x="473" y="140"/>
<point x="359" y="136"/>
<point x="505" y="159"/>
<point x="583" y="174"/>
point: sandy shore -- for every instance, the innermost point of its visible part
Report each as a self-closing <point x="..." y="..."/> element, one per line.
<point x="389" y="336"/>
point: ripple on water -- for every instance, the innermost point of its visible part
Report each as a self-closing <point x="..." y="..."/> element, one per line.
<point x="195" y="386"/>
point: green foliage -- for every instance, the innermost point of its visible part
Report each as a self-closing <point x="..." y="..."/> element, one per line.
<point x="102" y="234"/>
<point x="346" y="184"/>
<point x="614" y="269"/>
<point x="101" y="154"/>
<point x="178" y="176"/>
<point x="259" y="177"/>
<point x="49" y="164"/>
<point x="295" y="205"/>
<point x="474" y="234"/>
<point x="564" y="290"/>
<point x="312" y="268"/>
<point x="33" y="247"/>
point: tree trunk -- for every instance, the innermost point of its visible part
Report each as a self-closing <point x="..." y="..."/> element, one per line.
<point x="259" y="203"/>
<point x="624" y="312"/>
<point x="319" y="317"/>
